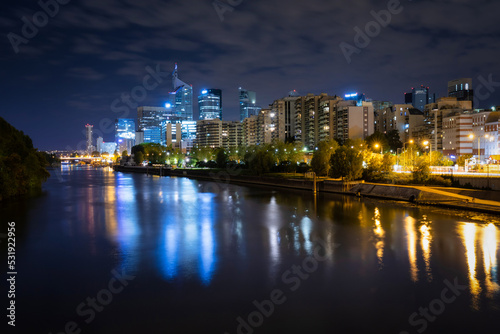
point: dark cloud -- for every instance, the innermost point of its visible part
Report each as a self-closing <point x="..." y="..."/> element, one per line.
<point x="93" y="51"/>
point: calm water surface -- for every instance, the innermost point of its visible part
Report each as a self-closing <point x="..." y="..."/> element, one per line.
<point x="199" y="257"/>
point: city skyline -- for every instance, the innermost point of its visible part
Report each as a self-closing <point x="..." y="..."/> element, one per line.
<point x="88" y="55"/>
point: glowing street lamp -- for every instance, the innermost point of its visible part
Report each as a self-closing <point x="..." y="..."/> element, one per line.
<point x="425" y="144"/>
<point x="411" y="151"/>
<point x="377" y="146"/>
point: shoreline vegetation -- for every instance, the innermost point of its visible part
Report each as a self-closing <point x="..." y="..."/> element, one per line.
<point x="22" y="167"/>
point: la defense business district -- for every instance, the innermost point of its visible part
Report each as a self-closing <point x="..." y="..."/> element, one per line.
<point x="449" y="126"/>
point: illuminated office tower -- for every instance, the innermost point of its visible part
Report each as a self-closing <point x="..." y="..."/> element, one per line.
<point x="210" y="104"/>
<point x="181" y="97"/>
<point x="125" y="134"/>
<point x="248" y="104"/>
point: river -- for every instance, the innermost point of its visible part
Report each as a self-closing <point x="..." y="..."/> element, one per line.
<point x="106" y="252"/>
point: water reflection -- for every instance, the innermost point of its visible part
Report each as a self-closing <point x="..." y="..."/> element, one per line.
<point x="490" y="242"/>
<point x="127" y="228"/>
<point x="411" y="235"/>
<point x="190" y="230"/>
<point x="379" y="233"/>
<point x="469" y="238"/>
<point x="426" y="241"/>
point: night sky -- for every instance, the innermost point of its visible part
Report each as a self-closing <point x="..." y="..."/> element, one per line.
<point x="92" y="51"/>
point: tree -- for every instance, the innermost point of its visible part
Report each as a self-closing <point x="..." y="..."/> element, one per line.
<point x="202" y="153"/>
<point x="138" y="148"/>
<point x="388" y="162"/>
<point x="320" y="162"/>
<point x="421" y="170"/>
<point x="259" y="160"/>
<point x="138" y="157"/>
<point x="374" y="168"/>
<point x="125" y="154"/>
<point x="461" y="159"/>
<point x="221" y="158"/>
<point x="95" y="154"/>
<point x="438" y="159"/>
<point x="393" y="140"/>
<point x="347" y="163"/>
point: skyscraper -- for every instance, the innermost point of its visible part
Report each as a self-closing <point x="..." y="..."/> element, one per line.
<point x="89" y="131"/>
<point x="248" y="104"/>
<point x="359" y="98"/>
<point x="419" y="97"/>
<point x="210" y="104"/>
<point x="125" y="134"/>
<point x="461" y="89"/>
<point x="181" y="97"/>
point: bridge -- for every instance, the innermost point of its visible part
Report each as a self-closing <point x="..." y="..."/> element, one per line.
<point x="76" y="159"/>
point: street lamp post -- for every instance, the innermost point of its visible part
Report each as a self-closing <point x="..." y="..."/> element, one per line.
<point x="430" y="152"/>
<point x="404" y="150"/>
<point x="471" y="136"/>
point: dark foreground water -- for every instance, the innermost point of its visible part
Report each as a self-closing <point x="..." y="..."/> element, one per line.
<point x="105" y="252"/>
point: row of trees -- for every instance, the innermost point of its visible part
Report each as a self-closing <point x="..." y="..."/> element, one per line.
<point x="156" y="154"/>
<point x="353" y="160"/>
<point x="358" y="159"/>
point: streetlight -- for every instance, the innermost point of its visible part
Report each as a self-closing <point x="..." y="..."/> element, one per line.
<point x="471" y="136"/>
<point x="404" y="150"/>
<point x="425" y="144"/>
<point x="377" y="146"/>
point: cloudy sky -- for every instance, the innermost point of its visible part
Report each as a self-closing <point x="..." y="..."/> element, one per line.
<point x="86" y="54"/>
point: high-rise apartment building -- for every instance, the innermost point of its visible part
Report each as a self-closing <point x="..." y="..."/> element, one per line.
<point x="402" y="118"/>
<point x="250" y="128"/>
<point x="350" y="121"/>
<point x="216" y="133"/>
<point x="232" y="134"/>
<point x="307" y="118"/>
<point x="284" y="116"/>
<point x="210" y="104"/>
<point x="379" y="107"/>
<point x="248" y="103"/>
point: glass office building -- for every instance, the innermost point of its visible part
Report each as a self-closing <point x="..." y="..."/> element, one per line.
<point x="181" y="97"/>
<point x="248" y="104"/>
<point x="210" y="104"/>
<point x="125" y="134"/>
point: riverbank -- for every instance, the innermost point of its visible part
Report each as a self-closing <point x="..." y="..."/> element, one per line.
<point x="455" y="198"/>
